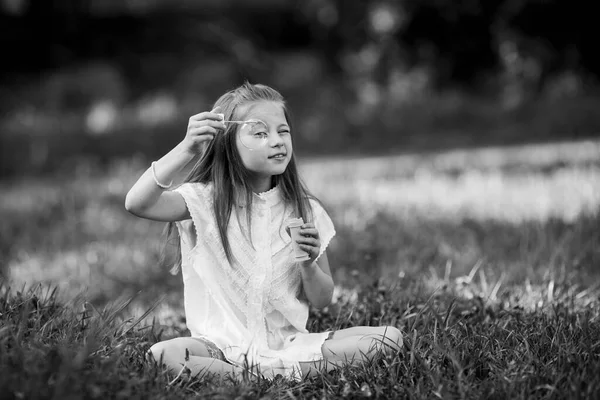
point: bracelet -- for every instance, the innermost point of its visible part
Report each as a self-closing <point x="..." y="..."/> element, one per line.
<point x="160" y="185"/>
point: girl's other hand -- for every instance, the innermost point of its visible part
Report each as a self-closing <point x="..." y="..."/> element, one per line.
<point x="202" y="128"/>
<point x="308" y="240"/>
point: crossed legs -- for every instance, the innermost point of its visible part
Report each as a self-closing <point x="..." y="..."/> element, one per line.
<point x="352" y="345"/>
<point x="172" y="353"/>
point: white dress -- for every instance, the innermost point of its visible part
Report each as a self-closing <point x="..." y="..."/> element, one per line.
<point x="250" y="308"/>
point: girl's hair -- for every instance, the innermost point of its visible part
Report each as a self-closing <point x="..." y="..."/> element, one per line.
<point x="222" y="165"/>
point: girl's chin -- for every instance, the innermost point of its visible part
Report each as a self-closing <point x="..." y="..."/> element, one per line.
<point x="276" y="167"/>
<point x="276" y="171"/>
<point x="265" y="172"/>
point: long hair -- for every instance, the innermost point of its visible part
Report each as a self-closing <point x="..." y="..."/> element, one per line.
<point x="221" y="165"/>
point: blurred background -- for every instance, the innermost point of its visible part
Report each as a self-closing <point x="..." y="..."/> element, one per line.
<point x="443" y="135"/>
<point x="104" y="79"/>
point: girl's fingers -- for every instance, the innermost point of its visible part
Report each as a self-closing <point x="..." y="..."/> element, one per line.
<point x="308" y="240"/>
<point x="206" y="115"/>
<point x="207" y="122"/>
<point x="310" y="249"/>
<point x="203" y="131"/>
<point x="307" y="246"/>
<point x="309" y="232"/>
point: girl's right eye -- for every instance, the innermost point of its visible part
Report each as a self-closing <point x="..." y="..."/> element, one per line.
<point x="260" y="134"/>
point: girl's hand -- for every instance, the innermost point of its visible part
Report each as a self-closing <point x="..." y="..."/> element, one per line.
<point x="202" y="128"/>
<point x="308" y="240"/>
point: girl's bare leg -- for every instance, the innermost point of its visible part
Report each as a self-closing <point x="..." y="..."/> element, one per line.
<point x="200" y="362"/>
<point x="355" y="345"/>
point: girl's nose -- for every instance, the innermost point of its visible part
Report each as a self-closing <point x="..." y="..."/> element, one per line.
<point x="275" y="140"/>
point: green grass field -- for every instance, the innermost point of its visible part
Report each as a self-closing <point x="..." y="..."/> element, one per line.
<point x="488" y="260"/>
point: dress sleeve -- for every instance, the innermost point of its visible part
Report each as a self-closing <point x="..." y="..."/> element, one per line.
<point x="198" y="201"/>
<point x="324" y="225"/>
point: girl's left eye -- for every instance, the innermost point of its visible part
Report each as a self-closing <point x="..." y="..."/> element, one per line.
<point x="284" y="132"/>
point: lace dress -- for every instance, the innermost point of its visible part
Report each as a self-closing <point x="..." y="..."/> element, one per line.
<point x="250" y="308"/>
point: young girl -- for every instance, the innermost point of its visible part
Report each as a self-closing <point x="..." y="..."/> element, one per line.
<point x="246" y="296"/>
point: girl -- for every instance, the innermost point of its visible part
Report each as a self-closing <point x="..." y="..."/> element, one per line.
<point x="246" y="296"/>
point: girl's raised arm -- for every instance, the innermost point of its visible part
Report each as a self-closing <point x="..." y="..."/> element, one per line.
<point x="148" y="198"/>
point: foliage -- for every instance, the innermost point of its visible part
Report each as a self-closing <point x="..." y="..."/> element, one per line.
<point x="459" y="40"/>
<point x="453" y="348"/>
<point x="115" y="79"/>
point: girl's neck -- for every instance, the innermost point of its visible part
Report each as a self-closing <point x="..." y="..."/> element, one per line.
<point x="261" y="184"/>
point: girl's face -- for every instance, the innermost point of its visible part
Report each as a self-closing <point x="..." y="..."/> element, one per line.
<point x="275" y="152"/>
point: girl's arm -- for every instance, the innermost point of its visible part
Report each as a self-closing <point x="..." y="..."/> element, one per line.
<point x="148" y="200"/>
<point x="317" y="281"/>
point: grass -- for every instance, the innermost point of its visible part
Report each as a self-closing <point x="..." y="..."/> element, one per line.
<point x="485" y="259"/>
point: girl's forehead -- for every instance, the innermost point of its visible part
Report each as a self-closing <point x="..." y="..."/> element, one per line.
<point x="270" y="112"/>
